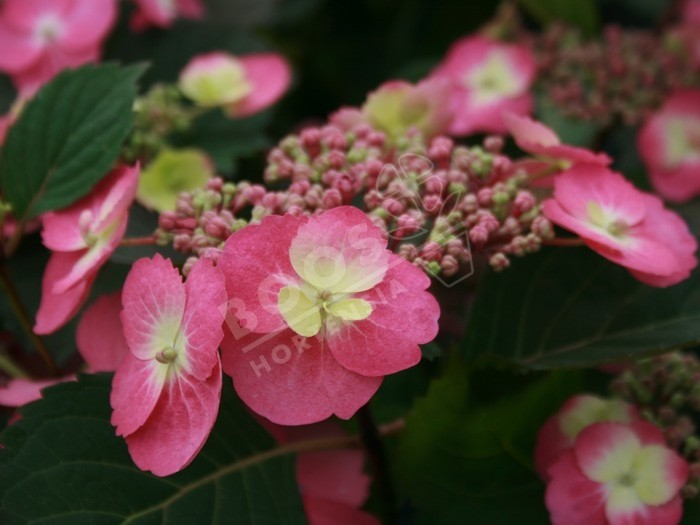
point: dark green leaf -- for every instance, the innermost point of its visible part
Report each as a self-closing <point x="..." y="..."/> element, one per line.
<point x="67" y="138"/>
<point x="62" y="464"/>
<point x="579" y="13"/>
<point x="570" y="307"/>
<point x="462" y="460"/>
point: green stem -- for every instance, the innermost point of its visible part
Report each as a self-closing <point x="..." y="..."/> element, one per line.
<point x="138" y="241"/>
<point x="11" y="368"/>
<point x="25" y="320"/>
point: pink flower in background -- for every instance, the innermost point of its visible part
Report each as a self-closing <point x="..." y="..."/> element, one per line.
<point x="669" y="144"/>
<point x="397" y="106"/>
<point x="100" y="336"/>
<point x="617" y="475"/>
<point x="320" y="312"/>
<point x="19" y="392"/>
<point x="5" y="123"/>
<point x="166" y="391"/>
<point x="39" y="38"/>
<point x="536" y="138"/>
<point x="241" y="85"/>
<point x="691" y="12"/>
<point x="82" y="237"/>
<point x="559" y="432"/>
<point x="332" y="483"/>
<point x="163" y="13"/>
<point x="627" y="226"/>
<point x="488" y="78"/>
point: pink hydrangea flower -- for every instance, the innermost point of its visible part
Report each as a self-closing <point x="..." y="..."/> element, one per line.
<point x="536" y="138"/>
<point x="82" y="237"/>
<point x="39" y="38"/>
<point x="241" y="85"/>
<point x="100" y="335"/>
<point x="623" y="224"/>
<point x="488" y="77"/>
<point x="669" y="143"/>
<point x="166" y="391"/>
<point x="559" y="432"/>
<point x="162" y="13"/>
<point x="397" y="106"/>
<point x="332" y="483"/>
<point x="321" y="312"/>
<point x="617" y="475"/>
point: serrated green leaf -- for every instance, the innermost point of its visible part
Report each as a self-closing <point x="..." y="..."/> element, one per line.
<point x="463" y="459"/>
<point x="67" y="138"/>
<point x="62" y="463"/>
<point x="569" y="307"/>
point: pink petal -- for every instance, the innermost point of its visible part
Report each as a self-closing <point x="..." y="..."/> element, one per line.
<point x="156" y="12"/>
<point x="528" y="132"/>
<point x="324" y="512"/>
<point x="403" y="316"/>
<point x="256" y="265"/>
<point x="56" y="309"/>
<point x="53" y="60"/>
<point x="551" y="444"/>
<point x="136" y="388"/>
<point x="179" y="425"/>
<point x="668" y="514"/>
<point x="87" y="24"/>
<point x="292" y="380"/>
<point x="599" y="444"/>
<point x="113" y="195"/>
<point x="153" y="297"/>
<point x="473" y="116"/>
<point x="19" y="392"/>
<point x="270" y="76"/>
<point x="24" y="52"/>
<point x="202" y="324"/>
<point x="193" y="9"/>
<point x="571" y="498"/>
<point x="100" y="337"/>
<point x="60" y="231"/>
<point x="24" y="14"/>
<point x="334" y="475"/>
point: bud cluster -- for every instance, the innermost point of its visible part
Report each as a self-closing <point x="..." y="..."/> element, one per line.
<point x="438" y="203"/>
<point x="666" y="389"/>
<point x="623" y="76"/>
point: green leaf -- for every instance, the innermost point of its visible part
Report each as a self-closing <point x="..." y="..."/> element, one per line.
<point x="569" y="307"/>
<point x="463" y="460"/>
<point x="579" y="13"/>
<point x="62" y="464"/>
<point x="572" y="131"/>
<point x="67" y="138"/>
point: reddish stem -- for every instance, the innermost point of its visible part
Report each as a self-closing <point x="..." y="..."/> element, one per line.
<point x="138" y="241"/>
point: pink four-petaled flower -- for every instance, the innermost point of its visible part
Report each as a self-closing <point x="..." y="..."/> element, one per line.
<point x="321" y="311"/>
<point x="166" y="392"/>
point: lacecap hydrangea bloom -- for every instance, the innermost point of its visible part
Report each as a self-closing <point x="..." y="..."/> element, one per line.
<point x="166" y="392"/>
<point x="669" y="144"/>
<point x="39" y="38"/>
<point x="623" y="224"/>
<point x="320" y="311"/>
<point x="617" y="474"/>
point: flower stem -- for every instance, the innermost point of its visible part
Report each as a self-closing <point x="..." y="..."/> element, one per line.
<point x="11" y="368"/>
<point x="571" y="242"/>
<point x="370" y="435"/>
<point x="25" y="321"/>
<point x="138" y="241"/>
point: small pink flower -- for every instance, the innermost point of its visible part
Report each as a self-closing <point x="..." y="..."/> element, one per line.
<point x="39" y="38"/>
<point x="166" y="391"/>
<point x="397" y="106"/>
<point x="100" y="336"/>
<point x="241" y="85"/>
<point x="627" y="226"/>
<point x="488" y="77"/>
<point x="332" y="483"/>
<point x="82" y="237"/>
<point x="536" y="138"/>
<point x="163" y="13"/>
<point x="669" y="143"/>
<point x="19" y="392"/>
<point x="326" y="311"/>
<point x="617" y="475"/>
<point x="559" y="432"/>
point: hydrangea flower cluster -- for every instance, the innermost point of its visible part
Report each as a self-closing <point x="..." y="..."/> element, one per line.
<point x="623" y="76"/>
<point x="436" y="201"/>
<point x="666" y="390"/>
<point x="604" y="465"/>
